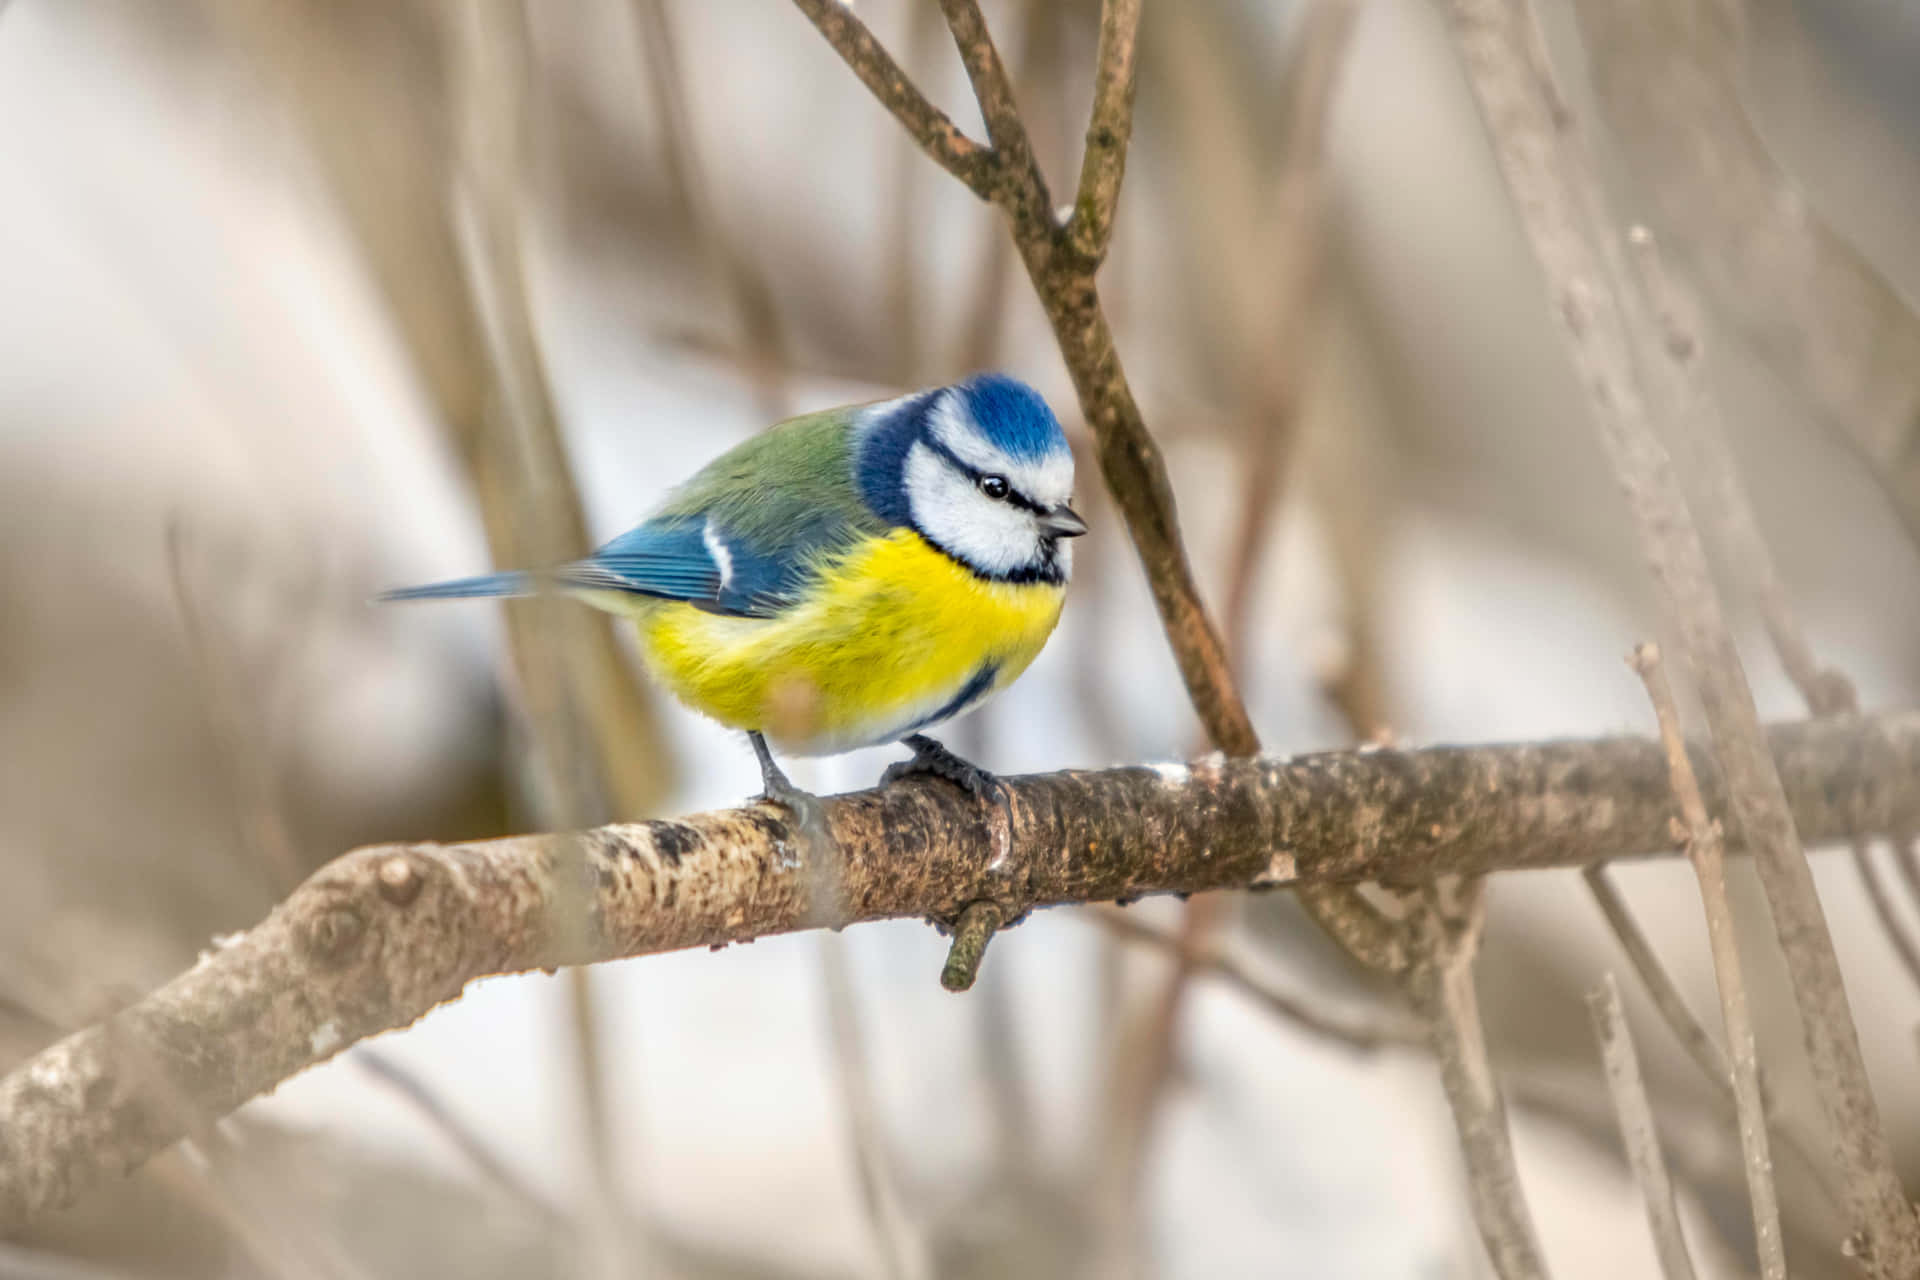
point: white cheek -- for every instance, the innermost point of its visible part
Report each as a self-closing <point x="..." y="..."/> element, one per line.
<point x="992" y="536"/>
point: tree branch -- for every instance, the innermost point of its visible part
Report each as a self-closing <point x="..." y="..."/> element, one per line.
<point x="380" y="936"/>
<point x="1580" y="250"/>
<point x="1130" y="461"/>
<point x="938" y="136"/>
<point x="1104" y="163"/>
<point x="1023" y="192"/>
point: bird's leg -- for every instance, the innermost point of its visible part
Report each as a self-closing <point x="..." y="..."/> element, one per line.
<point x="809" y="819"/>
<point x="930" y="757"/>
<point x="775" y="785"/>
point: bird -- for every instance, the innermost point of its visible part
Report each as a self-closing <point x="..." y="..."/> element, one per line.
<point x="848" y="578"/>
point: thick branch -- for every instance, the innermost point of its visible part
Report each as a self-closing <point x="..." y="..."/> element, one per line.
<point x="380" y="936"/>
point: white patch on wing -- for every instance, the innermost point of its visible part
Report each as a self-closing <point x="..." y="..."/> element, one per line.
<point x="1047" y="481"/>
<point x="717" y="548"/>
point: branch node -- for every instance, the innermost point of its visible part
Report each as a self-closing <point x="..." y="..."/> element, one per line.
<point x="331" y="935"/>
<point x="399" y="881"/>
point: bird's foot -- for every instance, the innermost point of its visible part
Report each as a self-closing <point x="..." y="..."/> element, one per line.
<point x="931" y="758"/>
<point x="809" y="816"/>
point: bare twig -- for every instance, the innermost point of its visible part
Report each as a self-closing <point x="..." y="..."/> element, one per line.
<point x="1062" y="267"/>
<point x="1565" y="218"/>
<point x="970" y="938"/>
<point x="1129" y="458"/>
<point x="1023" y="189"/>
<point x="1104" y="163"/>
<point x="1361" y="1034"/>
<point x="1440" y="984"/>
<point x="1701" y="1047"/>
<point x="939" y="137"/>
<point x="1709" y="865"/>
<point x="379" y="936"/>
<point x="1036" y="69"/>
<point x="1638" y="1131"/>
<point x="1694" y="413"/>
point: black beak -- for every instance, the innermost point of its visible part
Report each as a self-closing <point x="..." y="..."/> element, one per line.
<point x="1063" y="522"/>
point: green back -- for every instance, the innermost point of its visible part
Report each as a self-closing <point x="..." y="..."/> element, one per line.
<point x="791" y="484"/>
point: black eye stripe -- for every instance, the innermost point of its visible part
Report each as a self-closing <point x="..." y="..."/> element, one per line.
<point x="1014" y="496"/>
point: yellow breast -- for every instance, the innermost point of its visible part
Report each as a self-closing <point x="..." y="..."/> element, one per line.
<point x="894" y="636"/>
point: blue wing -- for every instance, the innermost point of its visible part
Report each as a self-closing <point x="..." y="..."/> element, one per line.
<point x="745" y="536"/>
<point x="688" y="558"/>
<point x="695" y="559"/>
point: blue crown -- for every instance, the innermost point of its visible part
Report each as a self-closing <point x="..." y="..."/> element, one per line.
<point x="1012" y="416"/>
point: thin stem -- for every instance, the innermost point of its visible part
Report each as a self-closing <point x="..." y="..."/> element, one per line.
<point x="1440" y="984"/>
<point x="1569" y="225"/>
<point x="938" y="136"/>
<point x="1638" y="1131"/>
<point x="1709" y="866"/>
<point x="1701" y="433"/>
<point x="1023" y="191"/>
<point x="1693" y="1036"/>
<point x="1104" y="163"/>
<point x="1687" y="1029"/>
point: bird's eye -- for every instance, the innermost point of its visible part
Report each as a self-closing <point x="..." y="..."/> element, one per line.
<point x="995" y="487"/>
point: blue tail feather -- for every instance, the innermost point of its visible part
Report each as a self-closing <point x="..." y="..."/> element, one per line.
<point x="492" y="584"/>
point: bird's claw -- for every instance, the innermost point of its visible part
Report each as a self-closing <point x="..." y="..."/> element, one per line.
<point x="932" y="759"/>
<point x="808" y="817"/>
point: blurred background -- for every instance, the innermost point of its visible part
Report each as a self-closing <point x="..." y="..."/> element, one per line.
<point x="300" y="299"/>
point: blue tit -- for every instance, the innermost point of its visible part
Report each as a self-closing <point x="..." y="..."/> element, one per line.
<point x="847" y="578"/>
